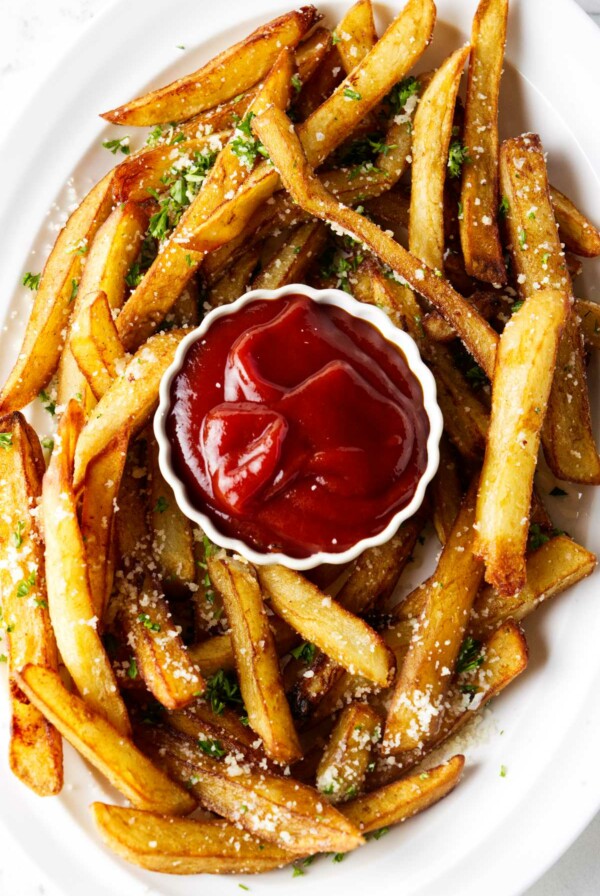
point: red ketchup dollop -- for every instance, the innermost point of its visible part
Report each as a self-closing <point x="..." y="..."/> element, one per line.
<point x="297" y="427"/>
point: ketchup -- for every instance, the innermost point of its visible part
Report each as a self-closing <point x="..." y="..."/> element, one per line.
<point x="297" y="427"/>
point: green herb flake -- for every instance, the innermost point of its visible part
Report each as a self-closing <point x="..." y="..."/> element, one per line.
<point x="222" y="690"/>
<point x="146" y="621"/>
<point x="161" y="505"/>
<point x="352" y="94"/>
<point x="18" y="534"/>
<point x="48" y="403"/>
<point x="297" y="871"/>
<point x="6" y="440"/>
<point x="244" y="144"/>
<point x="339" y="857"/>
<point x="335" y="39"/>
<point x="48" y="443"/>
<point x="503" y="208"/>
<point x="522" y="238"/>
<point x="132" y="669"/>
<point x="119" y="144"/>
<point x="377" y="835"/>
<point x="458" y="155"/>
<point x="3" y="658"/>
<point x="537" y="537"/>
<point x="212" y="748"/>
<point x="25" y="586"/>
<point x="74" y="290"/>
<point x="305" y="652"/>
<point x="296" y="82"/>
<point x="31" y="281"/>
<point x="516" y="305"/>
<point x="470" y="656"/>
<point x="503" y="771"/>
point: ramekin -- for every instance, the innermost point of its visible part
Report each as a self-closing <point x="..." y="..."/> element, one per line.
<point x="381" y="322"/>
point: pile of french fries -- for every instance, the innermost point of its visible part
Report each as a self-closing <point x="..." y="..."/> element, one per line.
<point x="291" y="714"/>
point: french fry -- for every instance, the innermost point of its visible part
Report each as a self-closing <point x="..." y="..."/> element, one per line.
<point x="589" y="319"/>
<point x="182" y="846"/>
<point x="356" y="34"/>
<point x="295" y="256"/>
<point x="106" y="748"/>
<point x="228" y="74"/>
<point x="539" y="261"/>
<point x="417" y="704"/>
<point x="322" y="621"/>
<point x="432" y="131"/>
<point x="114" y="248"/>
<point x="175" y="265"/>
<point x="273" y="128"/>
<point x="100" y="491"/>
<point x="256" y="658"/>
<point x="235" y="281"/>
<point x="200" y="722"/>
<point x="577" y="232"/>
<point x="72" y="609"/>
<point x="172" y="536"/>
<point x="479" y="233"/>
<point x="129" y="401"/>
<point x="396" y="802"/>
<point x="96" y="347"/>
<point x="446" y="492"/>
<point x="186" y="310"/>
<point x="44" y="336"/>
<point x="217" y="652"/>
<point x="35" y="748"/>
<point x="520" y="391"/>
<point x="551" y="569"/>
<point x="275" y="808"/>
<point x="343" y="766"/>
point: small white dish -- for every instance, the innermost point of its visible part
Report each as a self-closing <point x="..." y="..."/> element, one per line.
<point x="392" y="334"/>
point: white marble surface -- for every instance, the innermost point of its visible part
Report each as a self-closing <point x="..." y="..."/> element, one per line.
<point x="32" y="34"/>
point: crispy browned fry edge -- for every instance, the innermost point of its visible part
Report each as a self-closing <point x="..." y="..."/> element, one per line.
<point x="228" y="74"/>
<point x="346" y="638"/>
<point x="417" y="705"/>
<point x="539" y="261"/>
<point x="576" y="231"/>
<point x="273" y="128"/>
<point x="479" y="233"/>
<point x="402" y="799"/>
<point x="217" y="652"/>
<point x="275" y="808"/>
<point x="72" y="610"/>
<point x="130" y="400"/>
<point x="255" y="658"/>
<point x="35" y="747"/>
<point x="356" y="34"/>
<point x="343" y="766"/>
<point x="551" y="569"/>
<point x="293" y="259"/>
<point x="520" y="391"/>
<point x="184" y="846"/>
<point x="44" y="336"/>
<point x="103" y="746"/>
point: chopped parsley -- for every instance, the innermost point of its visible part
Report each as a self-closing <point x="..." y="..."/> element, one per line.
<point x="142" y="263"/>
<point x="522" y="238"/>
<point x="18" y="534"/>
<point x="516" y="305"/>
<point x="3" y="658"/>
<point x="182" y="185"/>
<point x="120" y="144"/>
<point x="146" y="621"/>
<point x="31" y="281"/>
<point x="503" y="771"/>
<point x="74" y="290"/>
<point x="25" y="586"/>
<point x="470" y="656"/>
<point x="305" y="652"/>
<point x="476" y="375"/>
<point x="244" y="144"/>
<point x="460" y="211"/>
<point x="335" y="39"/>
<point x="222" y="690"/>
<point x="399" y="95"/>
<point x="48" y="443"/>
<point x="458" y="155"/>
<point x="378" y="834"/>
<point x="503" y="208"/>
<point x="6" y="440"/>
<point x="48" y="403"/>
<point x="212" y="748"/>
<point x="352" y="94"/>
<point x="537" y="537"/>
<point x="161" y="505"/>
<point x="296" y="82"/>
<point x="339" y="857"/>
<point x="132" y="669"/>
<point x="297" y="872"/>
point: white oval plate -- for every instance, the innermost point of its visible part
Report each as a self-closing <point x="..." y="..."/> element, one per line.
<point x="495" y="834"/>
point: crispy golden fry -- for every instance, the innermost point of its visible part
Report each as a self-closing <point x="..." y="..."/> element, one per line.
<point x="551" y="569"/>
<point x="72" y="609"/>
<point x="176" y="264"/>
<point x="294" y="258"/>
<point x="200" y="722"/>
<point x="144" y="172"/>
<point x="389" y="61"/>
<point x="520" y="390"/>
<point x="539" y="262"/>
<point x="95" y="346"/>
<point x="396" y="802"/>
<point x="182" y="846"/>
<point x="356" y="34"/>
<point x="114" y="248"/>
<point x="103" y="746"/>
<point x="417" y="705"/>
<point x="44" y="336"/>
<point x="100" y="491"/>
<point x="256" y="658"/>
<point x="273" y="128"/>
<point x="35" y="748"/>
<point x="479" y="234"/>
<point x="577" y="232"/>
<point x="446" y="492"/>
<point x="235" y="281"/>
<point x="504" y="656"/>
<point x="343" y="766"/>
<point x="589" y="321"/>
<point x="228" y="74"/>
<point x="172" y="536"/>
<point x="275" y="808"/>
<point x="432" y="131"/>
<point x="342" y="636"/>
<point x="130" y="400"/>
<point x="217" y="652"/>
<point x="186" y="310"/>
